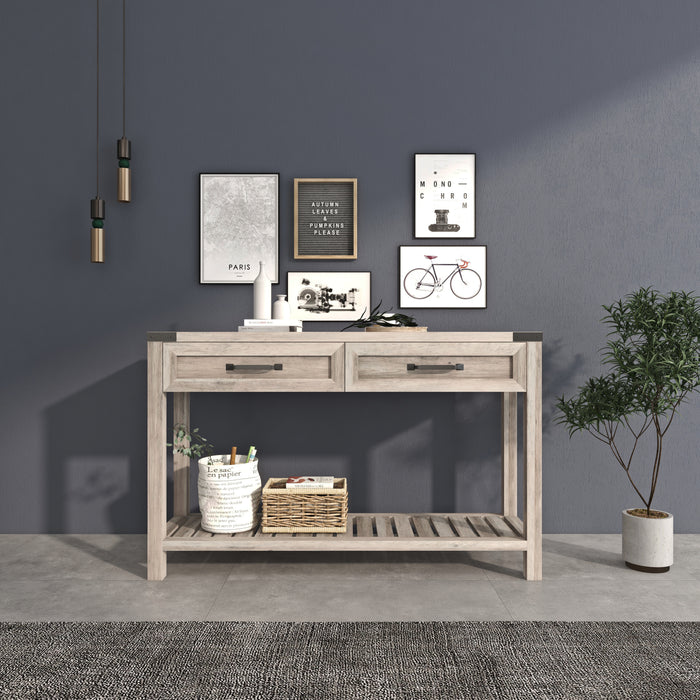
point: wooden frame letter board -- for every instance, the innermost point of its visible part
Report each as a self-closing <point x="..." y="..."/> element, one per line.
<point x="325" y="218"/>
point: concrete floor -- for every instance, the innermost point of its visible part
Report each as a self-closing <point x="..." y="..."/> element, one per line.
<point x="101" y="577"/>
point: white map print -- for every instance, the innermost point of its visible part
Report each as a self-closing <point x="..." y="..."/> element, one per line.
<point x="238" y="227"/>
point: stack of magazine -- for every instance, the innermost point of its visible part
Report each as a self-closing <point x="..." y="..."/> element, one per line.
<point x="310" y="482"/>
<point x="271" y="325"/>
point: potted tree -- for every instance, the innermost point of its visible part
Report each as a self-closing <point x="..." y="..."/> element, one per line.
<point x="653" y="353"/>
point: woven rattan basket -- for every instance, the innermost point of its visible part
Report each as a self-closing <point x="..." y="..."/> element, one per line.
<point x="304" y="510"/>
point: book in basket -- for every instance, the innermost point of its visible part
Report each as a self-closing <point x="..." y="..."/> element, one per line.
<point x="310" y="482"/>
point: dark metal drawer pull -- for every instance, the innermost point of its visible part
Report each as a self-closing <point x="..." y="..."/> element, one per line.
<point x="231" y="367"/>
<point x="412" y="367"/>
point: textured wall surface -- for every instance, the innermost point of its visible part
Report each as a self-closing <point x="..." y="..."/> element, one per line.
<point x="584" y="119"/>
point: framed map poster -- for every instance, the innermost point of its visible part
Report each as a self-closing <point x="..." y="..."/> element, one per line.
<point x="444" y="195"/>
<point x="238" y="227"/>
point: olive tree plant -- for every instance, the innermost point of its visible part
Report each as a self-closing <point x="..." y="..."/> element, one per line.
<point x="653" y="353"/>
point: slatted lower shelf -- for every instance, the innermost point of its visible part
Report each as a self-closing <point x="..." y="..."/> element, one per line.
<point x="366" y="531"/>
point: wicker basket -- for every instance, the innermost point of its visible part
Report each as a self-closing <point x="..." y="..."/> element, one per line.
<point x="304" y="510"/>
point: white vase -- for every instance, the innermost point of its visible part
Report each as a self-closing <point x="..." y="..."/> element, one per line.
<point x="647" y="543"/>
<point x="262" y="294"/>
<point x="229" y="496"/>
<point x="281" y="309"/>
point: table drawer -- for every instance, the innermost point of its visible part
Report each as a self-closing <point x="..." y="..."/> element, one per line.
<point x="274" y="366"/>
<point x="435" y="366"/>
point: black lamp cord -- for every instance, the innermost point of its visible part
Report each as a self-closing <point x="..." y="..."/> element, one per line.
<point x="97" y="111"/>
<point x="124" y="68"/>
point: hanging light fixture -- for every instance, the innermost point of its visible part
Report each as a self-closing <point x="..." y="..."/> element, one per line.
<point x="97" y="205"/>
<point x="124" y="145"/>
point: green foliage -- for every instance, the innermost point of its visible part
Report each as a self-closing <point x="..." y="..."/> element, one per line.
<point x="382" y="318"/>
<point x="191" y="444"/>
<point x="653" y="353"/>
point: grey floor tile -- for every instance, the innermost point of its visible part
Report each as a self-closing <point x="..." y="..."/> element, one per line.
<point x="601" y="599"/>
<point x="89" y="557"/>
<point x="579" y="556"/>
<point x="357" y="599"/>
<point x="83" y="600"/>
<point x="686" y="553"/>
<point x="358" y="565"/>
<point x="111" y="557"/>
<point x="102" y="577"/>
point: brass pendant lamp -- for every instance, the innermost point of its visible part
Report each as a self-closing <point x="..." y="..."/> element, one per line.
<point x="97" y="205"/>
<point x="123" y="144"/>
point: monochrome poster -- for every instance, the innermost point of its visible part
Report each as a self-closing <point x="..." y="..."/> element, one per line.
<point x="239" y="224"/>
<point x="328" y="296"/>
<point x="444" y="195"/>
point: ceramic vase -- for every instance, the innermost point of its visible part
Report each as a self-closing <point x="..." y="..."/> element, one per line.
<point x="647" y="543"/>
<point x="281" y="309"/>
<point x="262" y="294"/>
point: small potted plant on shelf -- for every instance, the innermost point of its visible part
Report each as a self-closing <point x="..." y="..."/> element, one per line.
<point x="191" y="443"/>
<point x="654" y="359"/>
<point x="228" y="486"/>
<point x="378" y="320"/>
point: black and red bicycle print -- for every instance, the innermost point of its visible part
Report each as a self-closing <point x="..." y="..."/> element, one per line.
<point x="463" y="281"/>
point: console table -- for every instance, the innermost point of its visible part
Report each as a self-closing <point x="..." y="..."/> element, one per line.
<point x="508" y="363"/>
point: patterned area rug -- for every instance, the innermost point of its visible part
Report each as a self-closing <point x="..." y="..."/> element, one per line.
<point x="347" y="661"/>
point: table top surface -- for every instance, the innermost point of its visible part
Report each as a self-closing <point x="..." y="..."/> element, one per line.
<point x="359" y="336"/>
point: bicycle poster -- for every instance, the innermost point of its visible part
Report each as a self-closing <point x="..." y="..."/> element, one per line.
<point x="442" y="277"/>
<point x="444" y="195"/>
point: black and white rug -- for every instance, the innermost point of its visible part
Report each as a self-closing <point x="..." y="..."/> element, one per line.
<point x="347" y="661"/>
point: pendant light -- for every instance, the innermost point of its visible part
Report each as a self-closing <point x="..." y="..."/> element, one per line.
<point x="124" y="145"/>
<point x="97" y="205"/>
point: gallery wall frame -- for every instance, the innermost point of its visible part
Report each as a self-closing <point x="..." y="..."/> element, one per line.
<point x="238" y="227"/>
<point x="442" y="277"/>
<point x="444" y="187"/>
<point x="329" y="296"/>
<point x="325" y="218"/>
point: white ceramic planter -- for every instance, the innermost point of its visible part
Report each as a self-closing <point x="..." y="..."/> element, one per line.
<point x="281" y="309"/>
<point x="647" y="543"/>
<point x="229" y="496"/>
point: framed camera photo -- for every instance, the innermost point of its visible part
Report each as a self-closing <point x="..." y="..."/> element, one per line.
<point x="325" y="218"/>
<point x="328" y="296"/>
<point x="444" y="195"/>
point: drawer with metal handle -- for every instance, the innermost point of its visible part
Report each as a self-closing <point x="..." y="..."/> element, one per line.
<point x="246" y="366"/>
<point x="434" y="366"/>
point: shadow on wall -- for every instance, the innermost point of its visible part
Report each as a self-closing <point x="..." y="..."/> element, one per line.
<point x="96" y="457"/>
<point x="401" y="452"/>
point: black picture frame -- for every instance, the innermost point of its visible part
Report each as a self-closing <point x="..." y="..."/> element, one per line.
<point x="457" y="217"/>
<point x="329" y="293"/>
<point x="435" y="299"/>
<point x="239" y="223"/>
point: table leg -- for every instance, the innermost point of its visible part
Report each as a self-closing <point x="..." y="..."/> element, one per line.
<point x="181" y="463"/>
<point x="157" y="494"/>
<point x="509" y="452"/>
<point x="532" y="440"/>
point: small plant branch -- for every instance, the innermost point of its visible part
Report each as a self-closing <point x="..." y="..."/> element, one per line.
<point x="382" y="318"/>
<point x="190" y="443"/>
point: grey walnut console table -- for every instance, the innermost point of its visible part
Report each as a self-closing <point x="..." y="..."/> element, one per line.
<point x="507" y="363"/>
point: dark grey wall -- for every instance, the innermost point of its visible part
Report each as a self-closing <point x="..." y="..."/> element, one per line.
<point x="584" y="118"/>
